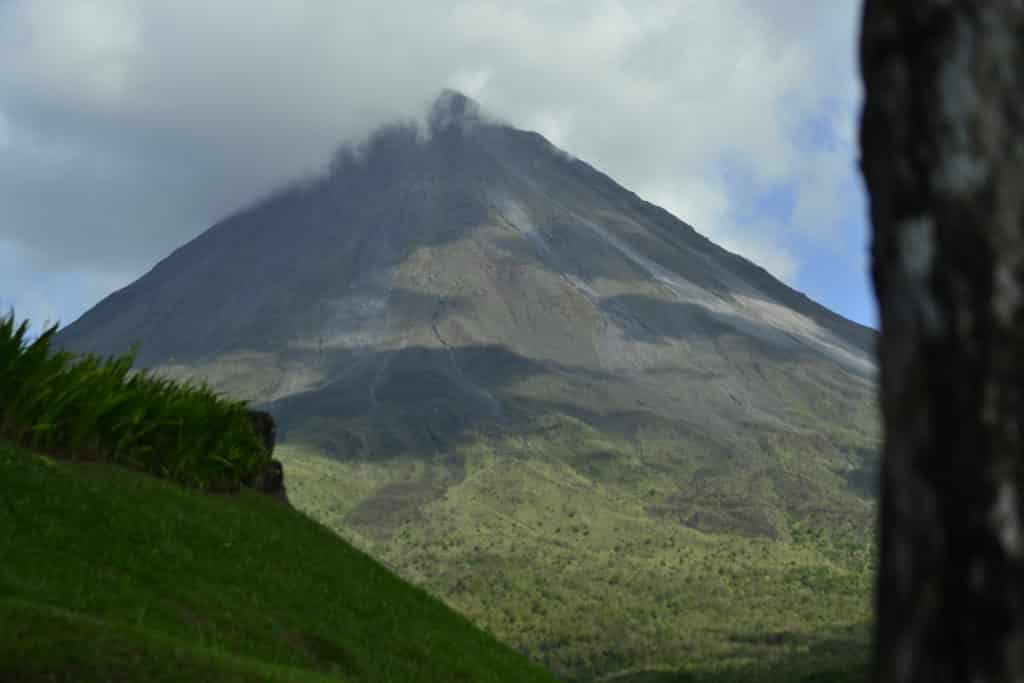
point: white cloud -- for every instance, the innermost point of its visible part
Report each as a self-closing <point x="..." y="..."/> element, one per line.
<point x="554" y="124"/>
<point x="471" y="82"/>
<point x="137" y="123"/>
<point x="707" y="207"/>
<point x="83" y="51"/>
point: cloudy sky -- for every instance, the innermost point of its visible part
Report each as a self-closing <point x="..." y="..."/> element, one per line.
<point x="127" y="127"/>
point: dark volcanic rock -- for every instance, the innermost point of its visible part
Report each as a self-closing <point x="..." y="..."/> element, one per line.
<point x="264" y="426"/>
<point x="453" y="109"/>
<point x="270" y="479"/>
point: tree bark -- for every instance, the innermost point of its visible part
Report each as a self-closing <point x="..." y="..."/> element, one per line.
<point x="942" y="146"/>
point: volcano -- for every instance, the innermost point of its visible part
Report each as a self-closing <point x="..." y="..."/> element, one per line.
<point x="461" y="316"/>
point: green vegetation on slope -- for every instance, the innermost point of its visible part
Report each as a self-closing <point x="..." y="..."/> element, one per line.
<point x="576" y="572"/>
<point x="87" y="408"/>
<point x="113" y="575"/>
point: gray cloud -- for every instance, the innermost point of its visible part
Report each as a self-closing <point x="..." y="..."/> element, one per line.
<point x="129" y="126"/>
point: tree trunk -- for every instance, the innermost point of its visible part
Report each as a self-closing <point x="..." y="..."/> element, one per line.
<point x="942" y="143"/>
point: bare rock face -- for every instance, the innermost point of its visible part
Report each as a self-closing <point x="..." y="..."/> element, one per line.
<point x="271" y="479"/>
<point x="264" y="426"/>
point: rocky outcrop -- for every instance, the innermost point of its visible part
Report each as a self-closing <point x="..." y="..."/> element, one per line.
<point x="265" y="428"/>
<point x="270" y="479"/>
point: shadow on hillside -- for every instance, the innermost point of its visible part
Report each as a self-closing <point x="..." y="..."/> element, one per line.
<point x="418" y="400"/>
<point x="840" y="657"/>
<point x="422" y="400"/>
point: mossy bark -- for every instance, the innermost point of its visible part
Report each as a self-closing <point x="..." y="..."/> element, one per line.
<point x="942" y="141"/>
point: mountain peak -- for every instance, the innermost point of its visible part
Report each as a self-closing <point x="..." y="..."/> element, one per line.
<point x="472" y="318"/>
<point x="453" y="108"/>
<point x="448" y="289"/>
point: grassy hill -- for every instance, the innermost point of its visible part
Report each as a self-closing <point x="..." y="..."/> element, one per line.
<point x="112" y="574"/>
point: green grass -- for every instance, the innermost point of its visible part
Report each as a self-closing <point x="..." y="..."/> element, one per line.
<point x="114" y="575"/>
